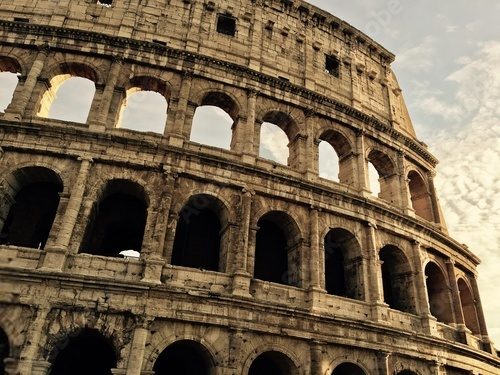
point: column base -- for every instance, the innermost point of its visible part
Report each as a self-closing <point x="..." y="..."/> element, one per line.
<point x="248" y="159"/>
<point x="152" y="271"/>
<point x="30" y="367"/>
<point x="241" y="284"/>
<point x="429" y="324"/>
<point x="97" y="127"/>
<point x="176" y="140"/>
<point x="315" y="298"/>
<point x="54" y="259"/>
<point x="118" y="371"/>
<point x="11" y="116"/>
<point x="379" y="311"/>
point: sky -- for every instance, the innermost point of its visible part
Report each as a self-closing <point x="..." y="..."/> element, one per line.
<point x="448" y="65"/>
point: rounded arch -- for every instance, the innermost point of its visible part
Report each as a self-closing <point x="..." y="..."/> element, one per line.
<point x="381" y="161"/>
<point x="185" y="357"/>
<point x="348" y="368"/>
<point x="384" y="166"/>
<point x="397" y="278"/>
<point x="407" y="372"/>
<point x="277" y="249"/>
<point x="4" y="349"/>
<point x="337" y="139"/>
<point x="202" y="234"/>
<point x="282" y="360"/>
<point x="420" y="195"/>
<point x="285" y="121"/>
<point x="343" y="266"/>
<point x="221" y="99"/>
<point x="438" y="292"/>
<point x="30" y="201"/>
<point x="84" y="351"/>
<point x="468" y="303"/>
<point x="10" y="64"/>
<point x="118" y="219"/>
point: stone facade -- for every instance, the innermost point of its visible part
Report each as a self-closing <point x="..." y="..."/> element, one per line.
<point x="352" y="284"/>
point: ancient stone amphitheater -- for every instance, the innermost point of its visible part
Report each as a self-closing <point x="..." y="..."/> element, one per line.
<point x="246" y="266"/>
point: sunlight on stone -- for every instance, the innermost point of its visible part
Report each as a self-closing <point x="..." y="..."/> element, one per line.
<point x="144" y="111"/>
<point x="328" y="162"/>
<point x="73" y="100"/>
<point x="373" y="177"/>
<point x="130" y="254"/>
<point x="8" y="83"/>
<point x="273" y="143"/>
<point x="212" y="127"/>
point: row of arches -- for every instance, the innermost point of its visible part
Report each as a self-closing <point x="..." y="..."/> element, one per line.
<point x="117" y="224"/>
<point x="215" y="118"/>
<point x="87" y="351"/>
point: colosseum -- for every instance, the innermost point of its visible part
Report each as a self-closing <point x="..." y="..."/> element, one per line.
<point x="234" y="264"/>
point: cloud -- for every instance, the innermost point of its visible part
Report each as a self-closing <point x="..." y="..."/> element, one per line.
<point x="420" y="58"/>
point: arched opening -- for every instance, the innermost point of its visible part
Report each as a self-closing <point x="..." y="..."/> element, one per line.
<point x="4" y="350"/>
<point x="343" y="268"/>
<point x="70" y="94"/>
<point x="335" y="161"/>
<point x="397" y="279"/>
<point x="202" y="234"/>
<point x="145" y="105"/>
<point x="272" y="363"/>
<point x="118" y="220"/>
<point x="31" y="197"/>
<point x="277" y="138"/>
<point x="438" y="293"/>
<point x="407" y="372"/>
<point x="277" y="251"/>
<point x="387" y="179"/>
<point x="348" y="369"/>
<point x="9" y="78"/>
<point x="214" y="120"/>
<point x="420" y="197"/>
<point x="184" y="357"/>
<point x="89" y="352"/>
<point x="468" y="307"/>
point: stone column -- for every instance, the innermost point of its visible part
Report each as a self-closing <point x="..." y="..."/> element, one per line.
<point x="138" y="346"/>
<point x="434" y="200"/>
<point x="355" y="86"/>
<point x="241" y="276"/>
<point x="28" y="363"/>
<point x="316" y="351"/>
<point x="176" y="123"/>
<point x="22" y="95"/>
<point x="487" y="344"/>
<point x="362" y="171"/>
<point x="383" y="362"/>
<point x="55" y="255"/>
<point x="99" y="118"/>
<point x="311" y="158"/>
<point x="375" y="283"/>
<point x="457" y="306"/>
<point x="404" y="190"/>
<point x="314" y="258"/>
<point x="247" y="146"/>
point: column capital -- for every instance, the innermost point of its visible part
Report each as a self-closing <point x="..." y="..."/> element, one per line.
<point x="248" y="192"/>
<point x="371" y="224"/>
<point x="310" y="112"/>
<point x="253" y="93"/>
<point x="44" y="48"/>
<point x="85" y="158"/>
<point x="143" y="321"/>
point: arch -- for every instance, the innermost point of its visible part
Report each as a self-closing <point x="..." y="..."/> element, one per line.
<point x="397" y="279"/>
<point x="343" y="149"/>
<point x="272" y="146"/>
<point x="30" y="201"/>
<point x="348" y="368"/>
<point x="202" y="234"/>
<point x="468" y="303"/>
<point x="10" y="69"/>
<point x="214" y="120"/>
<point x="343" y="268"/>
<point x="86" y="352"/>
<point x="4" y="350"/>
<point x="144" y="107"/>
<point x="118" y="219"/>
<point x="185" y="357"/>
<point x="77" y="82"/>
<point x="406" y="372"/>
<point x="386" y="171"/>
<point x="420" y="196"/>
<point x="438" y="293"/>
<point x="277" y="249"/>
<point x="273" y="362"/>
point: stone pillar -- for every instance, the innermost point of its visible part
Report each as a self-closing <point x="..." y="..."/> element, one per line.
<point x="434" y="201"/>
<point x="404" y="190"/>
<point x="362" y="170"/>
<point x="252" y="242"/>
<point x="99" y="118"/>
<point x="138" y="346"/>
<point x="315" y="254"/>
<point x="316" y="351"/>
<point x="383" y="362"/>
<point x="247" y="147"/>
<point x="486" y="343"/>
<point x="297" y="158"/>
<point x="311" y="162"/>
<point x="375" y="283"/>
<point x="176" y="123"/>
<point x="28" y="363"/>
<point x="55" y="255"/>
<point x="241" y="276"/>
<point x="22" y="95"/>
<point x="437" y="368"/>
<point x="355" y="87"/>
<point x="457" y="306"/>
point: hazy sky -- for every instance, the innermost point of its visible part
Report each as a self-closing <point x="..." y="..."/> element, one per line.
<point x="448" y="64"/>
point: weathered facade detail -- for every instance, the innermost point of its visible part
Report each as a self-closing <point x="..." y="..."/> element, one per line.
<point x="245" y="266"/>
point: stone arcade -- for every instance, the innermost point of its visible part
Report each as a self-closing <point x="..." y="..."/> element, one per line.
<point x="246" y="266"/>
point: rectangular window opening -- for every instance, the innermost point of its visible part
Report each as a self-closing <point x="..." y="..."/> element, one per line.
<point x="226" y="25"/>
<point x="332" y="66"/>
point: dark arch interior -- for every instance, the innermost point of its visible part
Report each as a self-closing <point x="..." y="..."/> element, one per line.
<point x="438" y="293"/>
<point x="381" y="162"/>
<point x="468" y="307"/>
<point x="184" y="358"/>
<point x="272" y="363"/>
<point x="271" y="252"/>
<point x="197" y="242"/>
<point x="118" y="220"/>
<point x="341" y="268"/>
<point x="87" y="353"/>
<point x="4" y="350"/>
<point x="397" y="280"/>
<point x="406" y="372"/>
<point x="222" y="101"/>
<point x="348" y="369"/>
<point x="31" y="216"/>
<point x="419" y="195"/>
